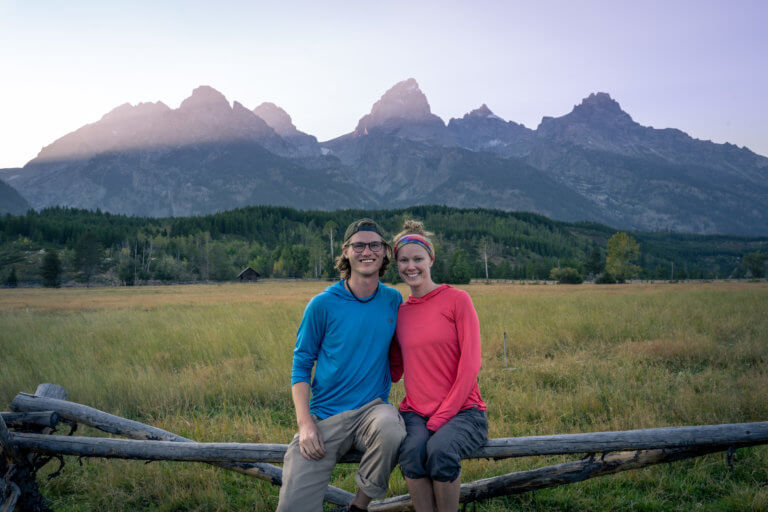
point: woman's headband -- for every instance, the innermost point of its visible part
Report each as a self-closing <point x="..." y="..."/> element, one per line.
<point x="418" y="240"/>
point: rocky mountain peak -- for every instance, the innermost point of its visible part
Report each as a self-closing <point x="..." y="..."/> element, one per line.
<point x="598" y="113"/>
<point x="277" y="118"/>
<point x="207" y="98"/>
<point x="482" y="112"/>
<point x="403" y="102"/>
<point x="599" y="108"/>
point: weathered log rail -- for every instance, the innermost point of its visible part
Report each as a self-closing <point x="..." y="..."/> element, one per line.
<point x="621" y="450"/>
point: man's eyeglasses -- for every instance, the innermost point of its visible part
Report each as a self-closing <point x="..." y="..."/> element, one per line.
<point x="359" y="247"/>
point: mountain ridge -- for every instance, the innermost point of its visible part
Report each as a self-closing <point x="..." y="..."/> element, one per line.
<point x="593" y="163"/>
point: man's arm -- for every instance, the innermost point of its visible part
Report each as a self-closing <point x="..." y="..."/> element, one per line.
<point x="311" y="443"/>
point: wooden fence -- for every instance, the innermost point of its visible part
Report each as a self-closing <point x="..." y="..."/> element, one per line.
<point x="32" y="444"/>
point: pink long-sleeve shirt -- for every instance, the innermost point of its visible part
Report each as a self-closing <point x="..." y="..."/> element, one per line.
<point x="438" y="346"/>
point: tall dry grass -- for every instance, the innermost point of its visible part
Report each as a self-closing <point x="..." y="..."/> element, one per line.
<point x="213" y="362"/>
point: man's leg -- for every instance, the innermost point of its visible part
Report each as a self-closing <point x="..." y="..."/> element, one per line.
<point x="304" y="480"/>
<point x="378" y="432"/>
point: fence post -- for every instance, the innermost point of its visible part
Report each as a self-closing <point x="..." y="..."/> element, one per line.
<point x="505" y="350"/>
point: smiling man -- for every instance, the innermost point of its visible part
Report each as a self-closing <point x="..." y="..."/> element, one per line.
<point x="345" y="334"/>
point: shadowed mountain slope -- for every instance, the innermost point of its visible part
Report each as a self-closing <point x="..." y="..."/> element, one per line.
<point x="10" y="200"/>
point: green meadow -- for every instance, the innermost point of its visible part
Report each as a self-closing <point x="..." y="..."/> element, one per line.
<point x="212" y="363"/>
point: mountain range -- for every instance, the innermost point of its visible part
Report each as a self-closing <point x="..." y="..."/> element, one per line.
<point x="595" y="163"/>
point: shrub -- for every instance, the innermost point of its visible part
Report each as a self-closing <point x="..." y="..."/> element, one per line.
<point x="566" y="275"/>
<point x="605" y="278"/>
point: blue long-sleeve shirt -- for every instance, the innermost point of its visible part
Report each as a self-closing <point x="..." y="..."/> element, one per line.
<point x="349" y="342"/>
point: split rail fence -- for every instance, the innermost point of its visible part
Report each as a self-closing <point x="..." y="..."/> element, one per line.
<point x="28" y="442"/>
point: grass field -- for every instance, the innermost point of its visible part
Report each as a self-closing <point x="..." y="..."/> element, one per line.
<point x="212" y="363"/>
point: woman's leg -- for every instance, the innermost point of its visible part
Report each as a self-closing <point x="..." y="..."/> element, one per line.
<point x="447" y="495"/>
<point x="458" y="438"/>
<point x="413" y="454"/>
<point x="421" y="493"/>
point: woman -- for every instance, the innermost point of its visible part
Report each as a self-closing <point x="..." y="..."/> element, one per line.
<point x="438" y="346"/>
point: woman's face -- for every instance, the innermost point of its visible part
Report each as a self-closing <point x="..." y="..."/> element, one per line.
<point x="413" y="264"/>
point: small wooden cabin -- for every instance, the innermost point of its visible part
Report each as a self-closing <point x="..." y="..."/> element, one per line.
<point x="248" y="275"/>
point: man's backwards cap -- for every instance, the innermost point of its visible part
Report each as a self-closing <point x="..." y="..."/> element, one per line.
<point x="363" y="225"/>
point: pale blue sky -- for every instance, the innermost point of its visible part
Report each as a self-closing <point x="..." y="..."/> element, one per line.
<point x="699" y="66"/>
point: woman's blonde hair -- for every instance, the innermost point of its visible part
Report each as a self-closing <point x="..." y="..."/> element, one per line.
<point x="414" y="233"/>
<point x="412" y="227"/>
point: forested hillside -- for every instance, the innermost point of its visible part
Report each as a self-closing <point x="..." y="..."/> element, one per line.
<point x="98" y="247"/>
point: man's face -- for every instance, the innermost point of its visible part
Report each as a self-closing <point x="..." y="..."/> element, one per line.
<point x="367" y="262"/>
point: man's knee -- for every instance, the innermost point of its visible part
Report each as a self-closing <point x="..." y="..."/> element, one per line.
<point x="389" y="426"/>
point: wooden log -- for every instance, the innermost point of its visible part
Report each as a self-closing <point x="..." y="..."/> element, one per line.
<point x="147" y="450"/>
<point x="645" y="439"/>
<point x="51" y="391"/>
<point x="30" y="419"/>
<point x="89" y="416"/>
<point x="23" y="485"/>
<point x="13" y="493"/>
<point x="8" y="448"/>
<point x="186" y="451"/>
<point x="654" y="438"/>
<point x="136" y="430"/>
<point x="552" y="476"/>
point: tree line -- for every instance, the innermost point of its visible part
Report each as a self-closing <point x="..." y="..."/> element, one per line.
<point x="64" y="244"/>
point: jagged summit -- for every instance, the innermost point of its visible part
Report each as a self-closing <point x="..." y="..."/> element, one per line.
<point x="403" y="103"/>
<point x="600" y="107"/>
<point x="403" y="112"/>
<point x="128" y="111"/>
<point x="482" y="111"/>
<point x="277" y="118"/>
<point x="598" y="113"/>
<point x="205" y="97"/>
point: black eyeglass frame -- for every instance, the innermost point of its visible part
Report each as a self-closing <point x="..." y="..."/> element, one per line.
<point x="361" y="245"/>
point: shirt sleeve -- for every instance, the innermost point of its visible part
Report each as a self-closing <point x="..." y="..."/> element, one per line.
<point x="308" y="338"/>
<point x="468" y="330"/>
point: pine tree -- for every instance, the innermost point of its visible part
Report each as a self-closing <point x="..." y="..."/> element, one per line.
<point x="50" y="270"/>
<point x="11" y="281"/>
<point x="595" y="263"/>
<point x="87" y="257"/>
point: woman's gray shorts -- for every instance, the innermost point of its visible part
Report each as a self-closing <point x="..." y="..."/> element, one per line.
<point x="437" y="455"/>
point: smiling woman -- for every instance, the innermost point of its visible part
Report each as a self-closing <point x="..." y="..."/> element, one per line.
<point x="438" y="346"/>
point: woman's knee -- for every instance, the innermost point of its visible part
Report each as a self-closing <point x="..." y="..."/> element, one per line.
<point x="443" y="462"/>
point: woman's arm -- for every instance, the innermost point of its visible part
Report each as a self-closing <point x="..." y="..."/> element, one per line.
<point x="468" y="331"/>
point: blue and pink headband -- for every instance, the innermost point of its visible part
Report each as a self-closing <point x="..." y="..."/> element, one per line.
<point x="418" y="240"/>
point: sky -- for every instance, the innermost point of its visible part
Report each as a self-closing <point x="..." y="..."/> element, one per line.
<point x="696" y="65"/>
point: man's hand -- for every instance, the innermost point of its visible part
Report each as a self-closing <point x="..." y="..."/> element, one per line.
<point x="311" y="443"/>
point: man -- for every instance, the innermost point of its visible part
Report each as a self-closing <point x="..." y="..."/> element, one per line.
<point x="346" y="332"/>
